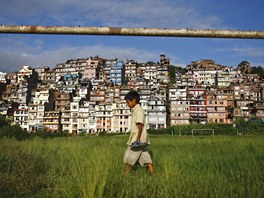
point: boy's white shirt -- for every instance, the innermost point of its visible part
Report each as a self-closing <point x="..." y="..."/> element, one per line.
<point x="138" y="116"/>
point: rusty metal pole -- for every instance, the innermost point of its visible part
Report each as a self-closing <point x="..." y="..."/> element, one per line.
<point x="155" y="32"/>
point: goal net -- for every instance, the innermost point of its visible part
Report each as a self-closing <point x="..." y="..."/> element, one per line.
<point x="200" y="132"/>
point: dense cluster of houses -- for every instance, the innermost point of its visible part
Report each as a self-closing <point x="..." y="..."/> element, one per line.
<point x="87" y="95"/>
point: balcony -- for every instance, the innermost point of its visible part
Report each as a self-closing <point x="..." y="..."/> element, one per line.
<point x="198" y="115"/>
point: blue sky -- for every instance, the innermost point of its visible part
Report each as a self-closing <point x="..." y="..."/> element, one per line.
<point x="17" y="50"/>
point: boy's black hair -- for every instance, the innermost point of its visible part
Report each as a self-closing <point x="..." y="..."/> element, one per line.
<point x="132" y="95"/>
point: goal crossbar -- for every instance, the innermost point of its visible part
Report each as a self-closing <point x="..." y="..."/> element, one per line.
<point x="123" y="31"/>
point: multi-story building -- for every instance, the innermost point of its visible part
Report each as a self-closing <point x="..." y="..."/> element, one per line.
<point x="62" y="99"/>
<point x="88" y="67"/>
<point x="93" y="68"/>
<point x="26" y="72"/>
<point x="203" y="73"/>
<point x="130" y="72"/>
<point x="62" y="69"/>
<point x="68" y="83"/>
<point x="105" y="73"/>
<point x="98" y="95"/>
<point x="247" y="91"/>
<point x="163" y="75"/>
<point x="121" y="117"/>
<point x="65" y="118"/>
<point x="92" y="119"/>
<point x="123" y="91"/>
<point x="21" y="117"/>
<point x="235" y="75"/>
<point x="179" y="111"/>
<point x="84" y="89"/>
<point x="50" y="79"/>
<point x="244" y="109"/>
<point x="10" y="93"/>
<point x="117" y="72"/>
<point x="23" y="93"/>
<point x="217" y="107"/>
<point x="164" y="61"/>
<point x="178" y="93"/>
<point x="11" y="78"/>
<point x="27" y="80"/>
<point x="74" y="110"/>
<point x="3" y="77"/>
<point x="259" y="110"/>
<point x="150" y="72"/>
<point x="197" y="96"/>
<point x="42" y="101"/>
<point x="33" y="124"/>
<point x="229" y="93"/>
<point x="42" y="73"/>
<point x="145" y="92"/>
<point x="222" y="79"/>
<point x="52" y="121"/>
<point x="83" y="119"/>
<point x="157" y="114"/>
<point x="103" y="117"/>
<point x="109" y="95"/>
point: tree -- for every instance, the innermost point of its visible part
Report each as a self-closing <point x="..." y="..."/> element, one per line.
<point x="171" y="70"/>
<point x="258" y="70"/>
<point x="3" y="121"/>
<point x="244" y="67"/>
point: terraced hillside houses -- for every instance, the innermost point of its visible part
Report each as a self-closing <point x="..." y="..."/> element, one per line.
<point x="86" y="95"/>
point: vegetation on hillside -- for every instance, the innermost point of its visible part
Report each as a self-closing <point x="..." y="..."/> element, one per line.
<point x="258" y="70"/>
<point x="172" y="69"/>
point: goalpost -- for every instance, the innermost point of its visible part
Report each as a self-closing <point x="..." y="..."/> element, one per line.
<point x="201" y="131"/>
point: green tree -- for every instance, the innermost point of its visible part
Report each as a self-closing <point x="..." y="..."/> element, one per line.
<point x="171" y="70"/>
<point x="3" y="121"/>
<point x="14" y="131"/>
<point x="244" y="67"/>
<point x="258" y="70"/>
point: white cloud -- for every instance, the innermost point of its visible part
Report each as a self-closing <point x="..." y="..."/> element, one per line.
<point x="135" y="13"/>
<point x="13" y="60"/>
<point x="244" y="51"/>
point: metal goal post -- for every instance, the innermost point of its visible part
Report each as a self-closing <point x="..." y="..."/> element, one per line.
<point x="212" y="131"/>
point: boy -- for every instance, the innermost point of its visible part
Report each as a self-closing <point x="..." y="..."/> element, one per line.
<point x="138" y="140"/>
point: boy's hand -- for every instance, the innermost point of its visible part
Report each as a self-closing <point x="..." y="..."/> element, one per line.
<point x="137" y="145"/>
<point x="140" y="127"/>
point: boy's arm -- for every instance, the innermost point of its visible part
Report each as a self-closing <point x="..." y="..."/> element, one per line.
<point x="140" y="127"/>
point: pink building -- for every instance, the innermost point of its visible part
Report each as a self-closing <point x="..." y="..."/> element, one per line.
<point x="217" y="107"/>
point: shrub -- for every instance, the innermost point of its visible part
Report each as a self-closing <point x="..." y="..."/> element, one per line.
<point x="14" y="131"/>
<point x="242" y="127"/>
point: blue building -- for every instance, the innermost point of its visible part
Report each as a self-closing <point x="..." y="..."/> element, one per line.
<point x="117" y="72"/>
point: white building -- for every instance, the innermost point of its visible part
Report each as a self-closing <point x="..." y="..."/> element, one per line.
<point x="83" y="119"/>
<point x="2" y="77"/>
<point x="21" y="117"/>
<point x="157" y="114"/>
<point x="121" y="117"/>
<point x="150" y="72"/>
<point x="178" y="93"/>
<point x="42" y="101"/>
<point x="74" y="111"/>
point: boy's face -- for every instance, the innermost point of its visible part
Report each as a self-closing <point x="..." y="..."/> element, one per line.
<point x="131" y="103"/>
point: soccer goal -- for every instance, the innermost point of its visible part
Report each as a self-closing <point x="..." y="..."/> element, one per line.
<point x="203" y="132"/>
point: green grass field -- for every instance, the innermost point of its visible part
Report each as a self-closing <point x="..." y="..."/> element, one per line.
<point x="223" y="166"/>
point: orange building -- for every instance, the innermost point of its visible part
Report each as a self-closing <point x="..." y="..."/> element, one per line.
<point x="216" y="107"/>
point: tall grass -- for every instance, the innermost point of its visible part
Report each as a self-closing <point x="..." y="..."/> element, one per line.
<point x="93" y="167"/>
